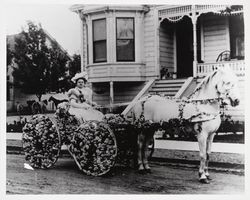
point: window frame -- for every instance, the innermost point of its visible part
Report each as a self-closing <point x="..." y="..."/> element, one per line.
<point x="99" y="41"/>
<point x="116" y="39"/>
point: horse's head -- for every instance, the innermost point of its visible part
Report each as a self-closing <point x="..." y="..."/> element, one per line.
<point x="227" y="86"/>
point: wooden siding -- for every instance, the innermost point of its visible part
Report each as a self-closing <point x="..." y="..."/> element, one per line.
<point x="215" y="36"/>
<point x="149" y="43"/>
<point x="123" y="92"/>
<point x="116" y="72"/>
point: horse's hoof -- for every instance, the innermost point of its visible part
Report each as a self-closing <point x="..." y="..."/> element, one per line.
<point x="204" y="181"/>
<point x="209" y="178"/>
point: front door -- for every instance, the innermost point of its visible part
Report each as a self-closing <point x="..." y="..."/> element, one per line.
<point x="184" y="48"/>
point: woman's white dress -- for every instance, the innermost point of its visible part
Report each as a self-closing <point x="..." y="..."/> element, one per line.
<point x="83" y="95"/>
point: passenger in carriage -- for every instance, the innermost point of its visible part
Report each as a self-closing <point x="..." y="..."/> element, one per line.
<point x="80" y="99"/>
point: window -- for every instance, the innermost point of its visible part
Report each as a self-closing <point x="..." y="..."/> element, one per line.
<point x="237" y="36"/>
<point x="99" y="40"/>
<point x="125" y="47"/>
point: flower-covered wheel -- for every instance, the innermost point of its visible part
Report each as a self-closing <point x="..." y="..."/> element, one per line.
<point x="94" y="148"/>
<point x="41" y="142"/>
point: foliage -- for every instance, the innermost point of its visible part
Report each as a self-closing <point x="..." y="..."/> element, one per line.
<point x="75" y="65"/>
<point x="40" y="66"/>
<point x="230" y="9"/>
<point x="91" y="144"/>
<point x="41" y="142"/>
<point x="58" y="69"/>
<point x="9" y="55"/>
<point x="16" y="126"/>
<point x="176" y="129"/>
<point x="229" y="125"/>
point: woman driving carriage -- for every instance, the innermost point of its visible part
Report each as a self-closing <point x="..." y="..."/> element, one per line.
<point x="80" y="99"/>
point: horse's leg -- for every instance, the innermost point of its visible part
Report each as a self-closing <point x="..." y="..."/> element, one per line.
<point x="140" y="142"/>
<point x="209" y="146"/>
<point x="56" y="104"/>
<point x="145" y="154"/>
<point x="202" y="140"/>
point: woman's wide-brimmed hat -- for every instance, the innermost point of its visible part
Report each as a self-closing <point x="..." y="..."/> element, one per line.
<point x="82" y="75"/>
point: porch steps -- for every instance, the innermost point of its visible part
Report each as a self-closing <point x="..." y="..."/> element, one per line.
<point x="166" y="87"/>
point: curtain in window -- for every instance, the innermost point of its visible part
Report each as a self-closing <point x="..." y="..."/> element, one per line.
<point x="125" y="50"/>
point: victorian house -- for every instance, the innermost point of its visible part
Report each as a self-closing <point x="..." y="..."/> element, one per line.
<point x="129" y="51"/>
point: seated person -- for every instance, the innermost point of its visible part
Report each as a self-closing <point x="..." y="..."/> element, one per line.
<point x="80" y="100"/>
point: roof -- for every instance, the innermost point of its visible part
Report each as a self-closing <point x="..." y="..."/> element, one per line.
<point x="87" y="9"/>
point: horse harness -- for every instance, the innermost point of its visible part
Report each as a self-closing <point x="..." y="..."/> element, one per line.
<point x="182" y="105"/>
<point x="199" y="115"/>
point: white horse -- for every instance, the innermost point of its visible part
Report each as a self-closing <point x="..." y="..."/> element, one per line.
<point x="201" y="109"/>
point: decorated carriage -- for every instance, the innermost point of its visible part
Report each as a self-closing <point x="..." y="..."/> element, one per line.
<point x="94" y="145"/>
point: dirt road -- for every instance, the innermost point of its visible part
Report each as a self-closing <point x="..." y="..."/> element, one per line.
<point x="65" y="178"/>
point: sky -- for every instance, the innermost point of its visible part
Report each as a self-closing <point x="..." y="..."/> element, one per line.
<point x="61" y="23"/>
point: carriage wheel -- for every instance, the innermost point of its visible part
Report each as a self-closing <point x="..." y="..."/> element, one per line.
<point x="94" y="148"/>
<point x="41" y="142"/>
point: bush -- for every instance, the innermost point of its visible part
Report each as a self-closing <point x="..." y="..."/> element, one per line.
<point x="176" y="129"/>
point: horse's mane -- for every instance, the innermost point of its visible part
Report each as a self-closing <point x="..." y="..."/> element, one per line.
<point x="203" y="83"/>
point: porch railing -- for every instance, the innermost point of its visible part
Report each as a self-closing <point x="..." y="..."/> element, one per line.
<point x="237" y="66"/>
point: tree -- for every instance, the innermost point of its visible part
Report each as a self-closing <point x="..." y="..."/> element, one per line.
<point x="40" y="66"/>
<point x="9" y="55"/>
<point x="75" y="65"/>
<point x="59" y="62"/>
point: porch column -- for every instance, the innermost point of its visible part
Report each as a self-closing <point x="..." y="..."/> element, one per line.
<point x="111" y="95"/>
<point x="194" y="22"/>
<point x="83" y="47"/>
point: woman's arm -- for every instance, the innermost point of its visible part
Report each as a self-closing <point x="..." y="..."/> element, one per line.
<point x="74" y="104"/>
